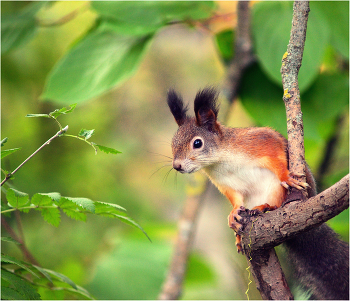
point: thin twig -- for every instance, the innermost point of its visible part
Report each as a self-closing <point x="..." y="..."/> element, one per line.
<point x="291" y="63"/>
<point x="59" y="133"/>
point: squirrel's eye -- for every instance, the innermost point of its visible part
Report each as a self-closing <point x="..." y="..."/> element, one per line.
<point x="197" y="143"/>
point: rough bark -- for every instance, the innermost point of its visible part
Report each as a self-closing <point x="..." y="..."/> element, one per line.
<point x="272" y="228"/>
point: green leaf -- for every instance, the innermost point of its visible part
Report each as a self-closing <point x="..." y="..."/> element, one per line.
<point x="42" y="271"/>
<point x="55" y="196"/>
<point x="326" y="99"/>
<point x="271" y="40"/>
<point x="51" y="215"/>
<point x="86" y="133"/>
<point x="61" y="277"/>
<point x="337" y="15"/>
<point x="75" y="214"/>
<point x="224" y="41"/>
<point x="72" y="210"/>
<point x="100" y="206"/>
<point x="39" y="199"/>
<point x="85" y="203"/>
<point x="10" y="239"/>
<point x="20" y="285"/>
<point x="18" y="28"/>
<point x="17" y="199"/>
<point x="7" y="152"/>
<point x="260" y="97"/>
<point x="96" y="64"/>
<point x="63" y="111"/>
<point x="107" y="150"/>
<point x="146" y="17"/>
<point x="129" y="221"/>
<point x="8" y="293"/>
<point x="3" y="141"/>
<point x="22" y="264"/>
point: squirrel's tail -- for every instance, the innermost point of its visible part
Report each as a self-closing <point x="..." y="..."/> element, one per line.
<point x="320" y="259"/>
<point x="321" y="263"/>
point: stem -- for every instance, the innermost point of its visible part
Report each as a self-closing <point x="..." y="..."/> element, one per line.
<point x="28" y="207"/>
<point x="22" y="245"/>
<point x="59" y="133"/>
<point x="82" y="139"/>
<point x="65" y="19"/>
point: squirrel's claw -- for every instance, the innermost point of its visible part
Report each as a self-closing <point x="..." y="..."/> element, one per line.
<point x="291" y="182"/>
<point x="236" y="222"/>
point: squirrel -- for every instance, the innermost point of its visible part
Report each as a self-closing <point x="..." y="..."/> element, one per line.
<point x="250" y="167"/>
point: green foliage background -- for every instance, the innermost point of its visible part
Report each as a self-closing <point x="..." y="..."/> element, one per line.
<point x="117" y="64"/>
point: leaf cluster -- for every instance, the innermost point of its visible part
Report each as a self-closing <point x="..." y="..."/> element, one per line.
<point x="51" y="204"/>
<point x="25" y="281"/>
<point x="110" y="51"/>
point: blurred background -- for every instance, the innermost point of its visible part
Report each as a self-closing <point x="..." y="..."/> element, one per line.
<point x="110" y="259"/>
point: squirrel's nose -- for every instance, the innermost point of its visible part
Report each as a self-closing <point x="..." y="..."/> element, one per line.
<point x="177" y="166"/>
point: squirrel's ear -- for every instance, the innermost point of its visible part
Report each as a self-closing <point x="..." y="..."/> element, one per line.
<point x="206" y="109"/>
<point x="177" y="107"/>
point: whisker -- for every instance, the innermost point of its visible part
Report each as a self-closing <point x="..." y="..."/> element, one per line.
<point x="175" y="180"/>
<point x="160" y="155"/>
<point x="166" y="176"/>
<point x="159" y="169"/>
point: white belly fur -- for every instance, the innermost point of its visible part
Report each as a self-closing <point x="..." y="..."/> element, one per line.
<point x="256" y="184"/>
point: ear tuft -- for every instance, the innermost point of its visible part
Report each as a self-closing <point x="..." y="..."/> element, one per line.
<point x="177" y="107"/>
<point x="206" y="108"/>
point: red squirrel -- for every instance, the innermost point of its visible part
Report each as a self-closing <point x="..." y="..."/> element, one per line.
<point x="250" y="167"/>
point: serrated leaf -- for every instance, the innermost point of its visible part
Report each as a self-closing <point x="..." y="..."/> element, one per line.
<point x="51" y="215"/>
<point x="75" y="214"/>
<point x="107" y="150"/>
<point x="86" y="133"/>
<point x="42" y="271"/>
<point x="10" y="239"/>
<point x="17" y="28"/>
<point x="61" y="277"/>
<point x="84" y="203"/>
<point x="55" y="196"/>
<point x="63" y="111"/>
<point x="7" y="152"/>
<point x="3" y="141"/>
<point x="131" y="222"/>
<point x="21" y="285"/>
<point x="22" y="264"/>
<point x="7" y="293"/>
<point x="17" y="199"/>
<point x="39" y="199"/>
<point x="99" y="62"/>
<point x="100" y="206"/>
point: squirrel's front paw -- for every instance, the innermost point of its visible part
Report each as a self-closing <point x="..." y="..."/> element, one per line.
<point x="236" y="221"/>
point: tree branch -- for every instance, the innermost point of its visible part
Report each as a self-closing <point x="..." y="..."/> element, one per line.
<point x="272" y="228"/>
<point x="244" y="56"/>
<point x="291" y="63"/>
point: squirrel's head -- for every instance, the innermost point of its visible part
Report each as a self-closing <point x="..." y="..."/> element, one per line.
<point x="195" y="143"/>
